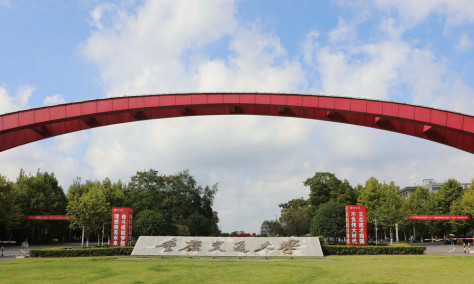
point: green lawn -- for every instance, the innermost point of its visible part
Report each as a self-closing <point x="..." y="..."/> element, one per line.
<point x="332" y="269"/>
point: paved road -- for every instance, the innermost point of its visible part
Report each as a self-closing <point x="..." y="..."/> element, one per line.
<point x="12" y="252"/>
<point x="448" y="249"/>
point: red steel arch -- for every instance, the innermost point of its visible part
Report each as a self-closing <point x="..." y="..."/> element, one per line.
<point x="449" y="128"/>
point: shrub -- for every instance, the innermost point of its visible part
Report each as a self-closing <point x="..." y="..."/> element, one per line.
<point x="68" y="252"/>
<point x="399" y="245"/>
<point x="322" y="240"/>
<point x="350" y="250"/>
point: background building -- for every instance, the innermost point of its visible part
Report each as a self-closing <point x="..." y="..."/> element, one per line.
<point x="430" y="184"/>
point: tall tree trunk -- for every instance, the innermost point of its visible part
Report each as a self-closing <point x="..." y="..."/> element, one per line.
<point x="391" y="235"/>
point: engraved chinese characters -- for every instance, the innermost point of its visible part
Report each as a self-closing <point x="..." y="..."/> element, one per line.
<point x="216" y="246"/>
<point x="231" y="246"/>
<point x="266" y="245"/>
<point x="289" y="246"/>
<point x="192" y="245"/>
<point x="356" y="225"/>
<point x="240" y="247"/>
<point x="168" y="245"/>
<point x="121" y="226"/>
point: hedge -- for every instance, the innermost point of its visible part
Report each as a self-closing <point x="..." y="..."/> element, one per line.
<point x="327" y="250"/>
<point x="69" y="252"/>
<point x="350" y="250"/>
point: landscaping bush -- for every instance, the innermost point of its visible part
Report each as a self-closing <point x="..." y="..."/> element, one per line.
<point x="399" y="245"/>
<point x="69" y="252"/>
<point x="349" y="250"/>
<point x="322" y="240"/>
<point x="327" y="250"/>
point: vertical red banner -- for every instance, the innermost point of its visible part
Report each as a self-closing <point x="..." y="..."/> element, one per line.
<point x="121" y="226"/>
<point x="356" y="225"/>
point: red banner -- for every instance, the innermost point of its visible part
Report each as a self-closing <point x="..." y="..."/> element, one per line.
<point x="121" y="226"/>
<point x="439" y="217"/>
<point x="46" y="217"/>
<point x="356" y="225"/>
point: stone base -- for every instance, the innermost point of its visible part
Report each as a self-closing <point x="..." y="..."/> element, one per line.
<point x="228" y="246"/>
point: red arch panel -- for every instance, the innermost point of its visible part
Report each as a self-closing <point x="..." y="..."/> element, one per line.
<point x="449" y="128"/>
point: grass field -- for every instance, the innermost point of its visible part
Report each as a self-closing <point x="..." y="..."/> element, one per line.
<point x="332" y="269"/>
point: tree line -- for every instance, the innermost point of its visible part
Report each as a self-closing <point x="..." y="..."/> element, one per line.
<point x="162" y="205"/>
<point x="322" y="213"/>
<point x="177" y="205"/>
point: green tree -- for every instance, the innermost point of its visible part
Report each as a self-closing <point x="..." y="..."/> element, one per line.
<point x="41" y="194"/>
<point x="177" y="197"/>
<point x="370" y="195"/>
<point x="441" y="203"/>
<point x="198" y="225"/>
<point x="326" y="187"/>
<point x="415" y="205"/>
<point x="149" y="223"/>
<point x="114" y="193"/>
<point x="465" y="206"/>
<point x="467" y="200"/>
<point x="295" y="217"/>
<point x="88" y="207"/>
<point x="431" y="208"/>
<point x="460" y="227"/>
<point x="329" y="221"/>
<point x="450" y="191"/>
<point x="271" y="228"/>
<point x="388" y="211"/>
<point x="267" y="228"/>
<point x="383" y="204"/>
<point x="11" y="214"/>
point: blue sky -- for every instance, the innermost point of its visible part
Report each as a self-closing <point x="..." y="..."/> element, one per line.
<point x="418" y="52"/>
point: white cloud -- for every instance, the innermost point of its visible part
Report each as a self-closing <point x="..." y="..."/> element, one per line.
<point x="412" y="12"/>
<point x="344" y="31"/>
<point x="58" y="157"/>
<point x="10" y="103"/>
<point x="259" y="64"/>
<point x="258" y="162"/>
<point x="53" y="100"/>
<point x="23" y="94"/>
<point x="39" y="155"/>
<point x="310" y="46"/>
<point x="7" y="104"/>
<point x="367" y="70"/>
<point x="386" y="67"/>
<point x="431" y="83"/>
<point x="5" y="3"/>
<point x="391" y="69"/>
<point x="70" y="144"/>
<point x="465" y="43"/>
<point x="161" y="47"/>
<point x="403" y="15"/>
<point x="147" y="51"/>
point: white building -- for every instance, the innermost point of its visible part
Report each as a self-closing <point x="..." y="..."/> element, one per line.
<point x="430" y="184"/>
